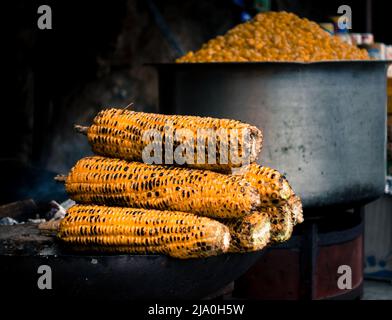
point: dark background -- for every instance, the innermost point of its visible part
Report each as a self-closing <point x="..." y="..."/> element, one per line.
<point x="94" y="57"/>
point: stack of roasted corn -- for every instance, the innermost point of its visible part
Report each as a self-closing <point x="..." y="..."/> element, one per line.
<point x="194" y="210"/>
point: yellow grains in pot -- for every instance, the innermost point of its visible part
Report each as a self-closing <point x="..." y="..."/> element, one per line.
<point x="275" y="36"/>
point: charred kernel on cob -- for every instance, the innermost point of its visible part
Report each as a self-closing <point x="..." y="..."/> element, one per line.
<point x="114" y="182"/>
<point x="273" y="188"/>
<point x="281" y="222"/>
<point x="250" y="233"/>
<point x="127" y="230"/>
<point x="119" y="133"/>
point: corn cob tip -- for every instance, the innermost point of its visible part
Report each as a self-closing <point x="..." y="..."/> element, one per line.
<point x="226" y="241"/>
<point x="286" y="190"/>
<point x="250" y="233"/>
<point x="281" y="222"/>
<point x="300" y="219"/>
<point x="81" y="129"/>
<point x="256" y="136"/>
<point x="295" y="204"/>
<point x="261" y="234"/>
<point x="60" y="178"/>
<point x="273" y="187"/>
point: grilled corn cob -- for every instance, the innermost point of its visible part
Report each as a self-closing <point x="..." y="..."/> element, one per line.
<point x="119" y="133"/>
<point x="281" y="222"/>
<point x="106" y="181"/>
<point x="273" y="188"/>
<point x="127" y="230"/>
<point x="250" y="233"/>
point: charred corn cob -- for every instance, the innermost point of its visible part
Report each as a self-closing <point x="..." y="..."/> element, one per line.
<point x="119" y="133"/>
<point x="281" y="222"/>
<point x="114" y="229"/>
<point x="106" y="181"/>
<point x="273" y="188"/>
<point x="250" y="233"/>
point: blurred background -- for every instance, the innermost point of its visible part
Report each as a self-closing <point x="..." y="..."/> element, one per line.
<point x="95" y="56"/>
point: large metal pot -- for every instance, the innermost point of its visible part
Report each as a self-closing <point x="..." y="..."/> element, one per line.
<point x="324" y="123"/>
